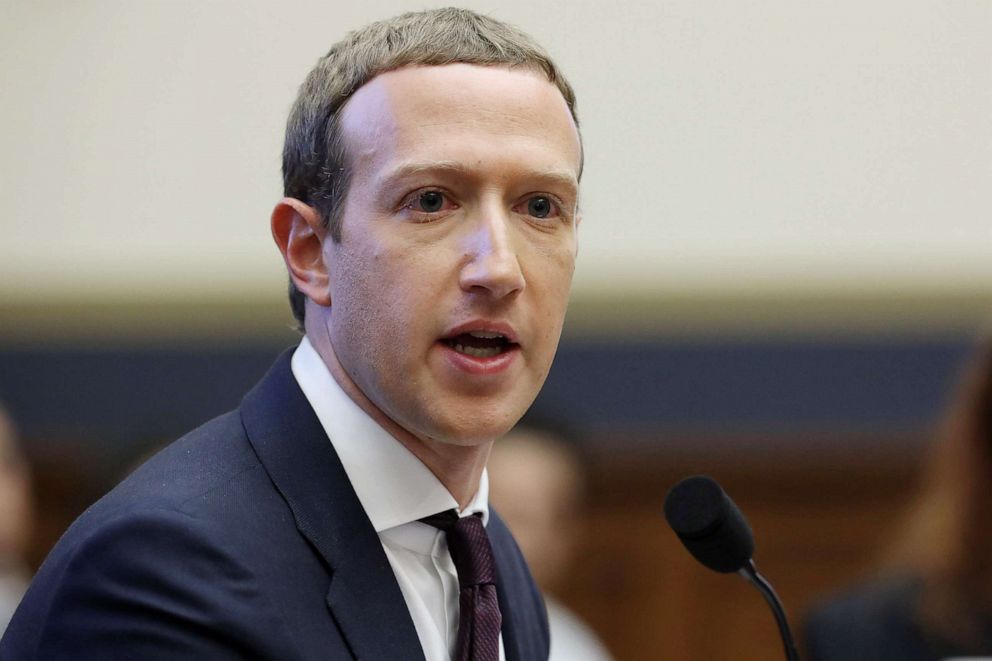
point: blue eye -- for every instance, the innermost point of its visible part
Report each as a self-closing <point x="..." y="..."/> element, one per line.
<point x="430" y="201"/>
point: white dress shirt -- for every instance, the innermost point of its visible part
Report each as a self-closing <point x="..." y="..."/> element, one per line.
<point x="396" y="490"/>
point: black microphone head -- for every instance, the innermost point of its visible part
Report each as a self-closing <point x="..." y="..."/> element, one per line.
<point x="709" y="524"/>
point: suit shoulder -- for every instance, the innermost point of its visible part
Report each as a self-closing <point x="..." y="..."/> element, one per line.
<point x="139" y="519"/>
<point x="156" y="581"/>
<point x="205" y="458"/>
<point x="869" y="621"/>
<point x="211" y="474"/>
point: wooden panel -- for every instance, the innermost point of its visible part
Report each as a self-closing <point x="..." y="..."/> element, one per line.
<point x="820" y="522"/>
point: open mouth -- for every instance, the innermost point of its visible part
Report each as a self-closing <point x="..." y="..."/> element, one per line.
<point x="480" y="344"/>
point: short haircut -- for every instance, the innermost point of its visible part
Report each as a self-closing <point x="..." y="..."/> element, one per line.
<point x="314" y="162"/>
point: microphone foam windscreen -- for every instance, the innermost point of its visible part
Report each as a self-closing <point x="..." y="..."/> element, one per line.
<point x="709" y="524"/>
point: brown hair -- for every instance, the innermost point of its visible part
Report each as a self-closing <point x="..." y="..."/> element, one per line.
<point x="948" y="540"/>
<point x="314" y="162"/>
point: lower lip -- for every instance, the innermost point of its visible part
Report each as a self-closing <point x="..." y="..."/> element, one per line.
<point x="480" y="366"/>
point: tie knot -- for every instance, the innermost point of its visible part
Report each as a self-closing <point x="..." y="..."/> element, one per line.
<point x="442" y="520"/>
<point x="468" y="545"/>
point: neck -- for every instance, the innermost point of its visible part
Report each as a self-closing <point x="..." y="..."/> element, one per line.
<point x="458" y="467"/>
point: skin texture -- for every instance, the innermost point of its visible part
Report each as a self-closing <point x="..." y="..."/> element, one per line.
<point x="453" y="168"/>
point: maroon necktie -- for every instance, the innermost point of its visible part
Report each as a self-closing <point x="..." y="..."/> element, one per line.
<point x="479" y="618"/>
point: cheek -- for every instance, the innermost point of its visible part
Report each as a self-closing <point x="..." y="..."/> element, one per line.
<point x="392" y="291"/>
<point x="552" y="277"/>
<point x="556" y="257"/>
<point x="409" y="281"/>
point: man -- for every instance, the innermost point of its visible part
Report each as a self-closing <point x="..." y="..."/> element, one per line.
<point x="431" y="171"/>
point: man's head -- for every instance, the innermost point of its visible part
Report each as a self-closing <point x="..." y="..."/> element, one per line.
<point x="436" y="239"/>
<point x="315" y="164"/>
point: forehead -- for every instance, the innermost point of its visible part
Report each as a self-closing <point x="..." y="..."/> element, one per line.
<point x="463" y="113"/>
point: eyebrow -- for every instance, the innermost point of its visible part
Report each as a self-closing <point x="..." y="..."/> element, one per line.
<point x="409" y="169"/>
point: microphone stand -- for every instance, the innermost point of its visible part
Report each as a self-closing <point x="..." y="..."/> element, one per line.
<point x="750" y="573"/>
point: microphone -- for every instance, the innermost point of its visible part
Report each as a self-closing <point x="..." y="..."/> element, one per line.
<point x="715" y="532"/>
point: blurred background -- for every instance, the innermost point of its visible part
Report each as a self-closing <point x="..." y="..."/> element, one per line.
<point x="784" y="264"/>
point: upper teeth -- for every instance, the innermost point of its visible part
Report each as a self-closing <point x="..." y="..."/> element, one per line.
<point x="487" y="335"/>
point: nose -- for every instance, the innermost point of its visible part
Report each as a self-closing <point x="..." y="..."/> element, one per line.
<point x="491" y="261"/>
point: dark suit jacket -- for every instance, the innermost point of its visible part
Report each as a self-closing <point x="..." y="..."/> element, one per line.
<point x="243" y="539"/>
<point x="875" y="622"/>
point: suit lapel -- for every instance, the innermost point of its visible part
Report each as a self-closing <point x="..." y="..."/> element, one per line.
<point x="364" y="597"/>
<point x="524" y="628"/>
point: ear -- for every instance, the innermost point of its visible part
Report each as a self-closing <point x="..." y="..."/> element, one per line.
<point x="299" y="232"/>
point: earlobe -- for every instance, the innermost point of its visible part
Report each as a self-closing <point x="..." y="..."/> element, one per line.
<point x="299" y="232"/>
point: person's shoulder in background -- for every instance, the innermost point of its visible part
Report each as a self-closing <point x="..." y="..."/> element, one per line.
<point x="870" y="622"/>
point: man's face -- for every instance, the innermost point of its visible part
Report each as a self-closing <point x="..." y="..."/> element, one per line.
<point x="449" y="285"/>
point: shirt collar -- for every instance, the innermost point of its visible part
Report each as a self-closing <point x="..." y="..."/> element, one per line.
<point x="393" y="486"/>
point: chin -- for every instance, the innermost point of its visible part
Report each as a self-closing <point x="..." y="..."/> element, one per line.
<point x="477" y="429"/>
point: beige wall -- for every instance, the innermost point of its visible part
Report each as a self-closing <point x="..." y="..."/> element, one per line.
<point x="734" y="149"/>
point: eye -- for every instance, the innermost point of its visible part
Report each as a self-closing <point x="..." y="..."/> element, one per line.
<point x="539" y="206"/>
<point x="428" y="204"/>
<point x="430" y="201"/>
